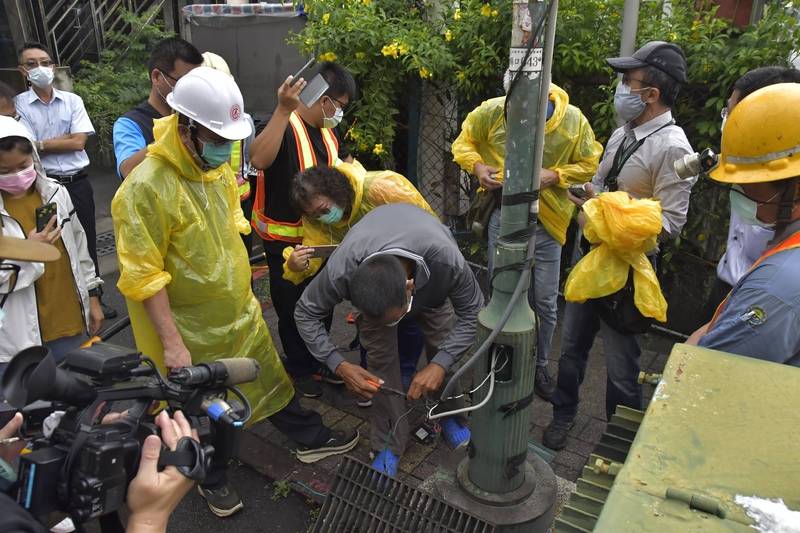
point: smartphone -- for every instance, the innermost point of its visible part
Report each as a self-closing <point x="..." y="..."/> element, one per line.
<point x="314" y="90"/>
<point x="302" y="70"/>
<point x="578" y="191"/>
<point x="324" y="250"/>
<point x="44" y="214"/>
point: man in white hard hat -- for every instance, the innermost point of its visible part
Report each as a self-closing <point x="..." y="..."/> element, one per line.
<point x="185" y="272"/>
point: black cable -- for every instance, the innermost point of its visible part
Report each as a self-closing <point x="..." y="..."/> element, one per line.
<point x="248" y="411"/>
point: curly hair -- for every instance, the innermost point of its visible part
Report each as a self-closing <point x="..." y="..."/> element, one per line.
<point x="321" y="180"/>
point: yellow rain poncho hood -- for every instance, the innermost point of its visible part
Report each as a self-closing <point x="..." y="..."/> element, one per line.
<point x="570" y="150"/>
<point x="371" y="188"/>
<point x="623" y="229"/>
<point x="178" y="227"/>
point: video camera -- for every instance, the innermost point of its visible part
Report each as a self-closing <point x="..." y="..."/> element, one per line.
<point x="82" y="466"/>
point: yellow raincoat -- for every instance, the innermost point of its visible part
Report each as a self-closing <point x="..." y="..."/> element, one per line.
<point x="623" y="229"/>
<point x="371" y="189"/>
<point x="570" y="150"/>
<point x="178" y="227"/>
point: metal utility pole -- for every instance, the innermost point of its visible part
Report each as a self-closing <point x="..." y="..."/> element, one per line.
<point x="630" y="24"/>
<point x="501" y="481"/>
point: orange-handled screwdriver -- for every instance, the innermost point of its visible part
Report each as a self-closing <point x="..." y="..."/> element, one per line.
<point x="384" y="388"/>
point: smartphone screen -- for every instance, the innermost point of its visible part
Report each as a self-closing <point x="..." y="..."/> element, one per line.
<point x="580" y="192"/>
<point x="44" y="214"/>
<point x="302" y="70"/>
<point x="324" y="250"/>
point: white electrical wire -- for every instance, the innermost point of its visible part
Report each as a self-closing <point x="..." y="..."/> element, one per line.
<point x="490" y="377"/>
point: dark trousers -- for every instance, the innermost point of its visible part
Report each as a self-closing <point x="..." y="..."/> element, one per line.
<point x="410" y="343"/>
<point x="581" y="325"/>
<point x="303" y="426"/>
<point x="82" y="196"/>
<point x="299" y="362"/>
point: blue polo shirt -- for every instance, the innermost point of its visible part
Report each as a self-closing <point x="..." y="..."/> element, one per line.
<point x="128" y="140"/>
<point x="762" y="316"/>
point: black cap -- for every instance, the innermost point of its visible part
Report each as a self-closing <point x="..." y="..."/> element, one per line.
<point x="666" y="57"/>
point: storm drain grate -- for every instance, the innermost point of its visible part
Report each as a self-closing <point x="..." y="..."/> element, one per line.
<point x="106" y="245"/>
<point x="363" y="500"/>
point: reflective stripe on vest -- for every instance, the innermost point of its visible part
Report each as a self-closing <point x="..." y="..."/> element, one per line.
<point x="279" y="230"/>
<point x="793" y="241"/>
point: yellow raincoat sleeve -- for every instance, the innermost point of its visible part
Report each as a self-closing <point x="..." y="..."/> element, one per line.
<point x="142" y="227"/>
<point x="584" y="159"/>
<point x="478" y="141"/>
<point x="313" y="265"/>
<point x="242" y="224"/>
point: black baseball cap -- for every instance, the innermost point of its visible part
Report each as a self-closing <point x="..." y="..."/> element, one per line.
<point x="666" y="57"/>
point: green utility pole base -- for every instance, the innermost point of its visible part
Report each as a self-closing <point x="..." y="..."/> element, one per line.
<point x="528" y="509"/>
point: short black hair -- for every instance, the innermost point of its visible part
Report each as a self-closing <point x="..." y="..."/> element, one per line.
<point x="668" y="86"/>
<point x="6" y="92"/>
<point x="377" y="285"/>
<point x="764" y="77"/>
<point x="167" y="51"/>
<point x="324" y="180"/>
<point x="31" y="45"/>
<point x="15" y="142"/>
<point x="340" y="81"/>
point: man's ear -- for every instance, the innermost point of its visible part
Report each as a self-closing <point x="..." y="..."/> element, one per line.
<point x="654" y="95"/>
<point x="153" y="75"/>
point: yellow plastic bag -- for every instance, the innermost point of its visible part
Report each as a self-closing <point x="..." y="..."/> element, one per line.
<point x="177" y="228"/>
<point x="623" y="230"/>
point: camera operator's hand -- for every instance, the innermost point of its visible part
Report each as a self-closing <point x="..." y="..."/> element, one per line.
<point x="153" y="495"/>
<point x="176" y="354"/>
<point x="9" y="452"/>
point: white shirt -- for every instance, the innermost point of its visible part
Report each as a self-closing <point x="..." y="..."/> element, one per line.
<point x="65" y="114"/>
<point x="649" y="172"/>
<point x="746" y="243"/>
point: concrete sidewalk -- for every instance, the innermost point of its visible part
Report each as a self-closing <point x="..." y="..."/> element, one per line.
<point x="268" y="451"/>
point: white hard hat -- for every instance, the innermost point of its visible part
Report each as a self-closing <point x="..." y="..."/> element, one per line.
<point x="213" y="100"/>
<point x="212" y="60"/>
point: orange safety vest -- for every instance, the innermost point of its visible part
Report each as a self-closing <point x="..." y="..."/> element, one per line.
<point x="793" y="241"/>
<point x="278" y="230"/>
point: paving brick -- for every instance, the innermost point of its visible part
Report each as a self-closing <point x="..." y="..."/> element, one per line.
<point x="592" y="431"/>
<point x="566" y="472"/>
<point x="415" y="454"/>
<point x="424" y="470"/>
<point x="570" y="459"/>
<point x="332" y="416"/>
<point x="580" y="447"/>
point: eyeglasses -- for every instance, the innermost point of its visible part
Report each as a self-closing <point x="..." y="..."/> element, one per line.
<point x="724" y="113"/>
<point x="32" y="64"/>
<point x="11" y="283"/>
<point x="627" y="81"/>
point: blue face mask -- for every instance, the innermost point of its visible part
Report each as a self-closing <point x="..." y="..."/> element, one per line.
<point x="216" y="154"/>
<point x="627" y="105"/>
<point x="333" y="215"/>
<point x="746" y="208"/>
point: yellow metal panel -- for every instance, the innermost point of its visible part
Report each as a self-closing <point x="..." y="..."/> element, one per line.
<point x="718" y="425"/>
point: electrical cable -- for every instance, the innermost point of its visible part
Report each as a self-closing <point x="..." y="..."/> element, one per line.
<point x="525" y="266"/>
<point x="248" y="411"/>
<point x="490" y="376"/>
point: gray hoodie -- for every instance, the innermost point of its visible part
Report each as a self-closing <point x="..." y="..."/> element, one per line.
<point x="442" y="272"/>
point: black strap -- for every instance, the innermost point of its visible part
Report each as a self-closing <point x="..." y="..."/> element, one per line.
<point x="510" y="408"/>
<point x="520" y="198"/>
<point x="177" y="458"/>
<point x="621" y="157"/>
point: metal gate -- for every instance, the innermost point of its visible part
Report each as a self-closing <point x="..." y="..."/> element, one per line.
<point x="77" y="29"/>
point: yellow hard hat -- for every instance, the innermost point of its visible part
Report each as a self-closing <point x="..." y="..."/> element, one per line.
<point x="761" y="138"/>
<point x="210" y="59"/>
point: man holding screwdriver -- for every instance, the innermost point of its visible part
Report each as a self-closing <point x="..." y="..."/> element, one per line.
<point x="389" y="271"/>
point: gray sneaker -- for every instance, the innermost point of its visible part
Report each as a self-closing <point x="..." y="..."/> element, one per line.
<point x="223" y="501"/>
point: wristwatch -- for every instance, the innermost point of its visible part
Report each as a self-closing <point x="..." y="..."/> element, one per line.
<point x="40" y="146"/>
<point x="97" y="291"/>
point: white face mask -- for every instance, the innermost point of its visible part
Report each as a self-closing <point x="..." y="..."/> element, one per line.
<point x="42" y="77"/>
<point x="408" y="310"/>
<point x="332" y="122"/>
